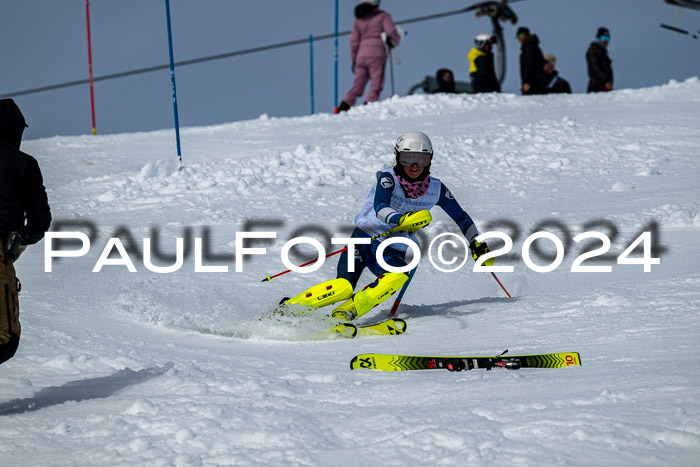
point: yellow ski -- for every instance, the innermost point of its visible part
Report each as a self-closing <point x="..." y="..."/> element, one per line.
<point x="386" y="362"/>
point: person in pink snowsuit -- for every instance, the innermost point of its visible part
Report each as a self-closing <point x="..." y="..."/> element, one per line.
<point x="368" y="51"/>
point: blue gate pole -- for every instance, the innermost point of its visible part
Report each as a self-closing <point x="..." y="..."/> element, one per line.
<point x="172" y="79"/>
<point x="335" y="96"/>
<point x="311" y="62"/>
<point x="397" y="302"/>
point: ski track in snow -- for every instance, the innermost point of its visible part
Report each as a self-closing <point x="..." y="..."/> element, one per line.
<point x="119" y="368"/>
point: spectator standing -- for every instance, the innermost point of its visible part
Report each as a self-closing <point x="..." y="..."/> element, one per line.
<point x="555" y="83"/>
<point x="22" y="198"/>
<point x="600" y="74"/>
<point x="481" y="67"/>
<point x="531" y="63"/>
<point x="368" y="51"/>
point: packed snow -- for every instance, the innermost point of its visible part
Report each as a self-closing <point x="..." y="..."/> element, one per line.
<point x="129" y="368"/>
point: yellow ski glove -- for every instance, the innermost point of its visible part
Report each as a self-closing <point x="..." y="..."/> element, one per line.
<point x="413" y="221"/>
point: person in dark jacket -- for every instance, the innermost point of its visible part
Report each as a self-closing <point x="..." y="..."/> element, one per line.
<point x="531" y="63"/>
<point x="600" y="74"/>
<point x="481" y="67"/>
<point x="445" y="80"/>
<point x="22" y="198"/>
<point x="555" y="83"/>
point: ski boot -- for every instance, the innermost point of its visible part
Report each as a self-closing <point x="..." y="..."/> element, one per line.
<point x="323" y="294"/>
<point x="372" y="295"/>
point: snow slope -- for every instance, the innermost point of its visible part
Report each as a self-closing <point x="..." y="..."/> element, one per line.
<point x="140" y="368"/>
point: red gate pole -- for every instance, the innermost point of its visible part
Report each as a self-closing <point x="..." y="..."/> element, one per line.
<point x="92" y="92"/>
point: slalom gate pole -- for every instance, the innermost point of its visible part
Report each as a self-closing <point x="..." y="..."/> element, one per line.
<point x="92" y="91"/>
<point x="499" y="283"/>
<point x="172" y="80"/>
<point x="397" y="302"/>
<point x="311" y="71"/>
<point x="335" y="80"/>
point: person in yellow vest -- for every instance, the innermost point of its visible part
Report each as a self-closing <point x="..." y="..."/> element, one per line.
<point x="481" y="67"/>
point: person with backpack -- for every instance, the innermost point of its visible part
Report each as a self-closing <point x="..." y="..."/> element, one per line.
<point x="555" y="83"/>
<point x="481" y="68"/>
<point x="368" y="51"/>
<point x="25" y="217"/>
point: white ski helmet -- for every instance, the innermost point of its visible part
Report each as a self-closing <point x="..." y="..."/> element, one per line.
<point x="481" y="40"/>
<point x="413" y="141"/>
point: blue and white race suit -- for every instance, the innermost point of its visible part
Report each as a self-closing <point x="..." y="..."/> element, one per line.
<point x="382" y="210"/>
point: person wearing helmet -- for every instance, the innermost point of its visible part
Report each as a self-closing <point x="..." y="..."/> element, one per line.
<point x="600" y="73"/>
<point x="399" y="201"/>
<point x="368" y="51"/>
<point x="481" y="67"/>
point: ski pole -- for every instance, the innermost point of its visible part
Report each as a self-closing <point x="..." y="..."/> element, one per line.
<point x="416" y="220"/>
<point x="499" y="283"/>
<point x="269" y="278"/>
<point x="397" y="302"/>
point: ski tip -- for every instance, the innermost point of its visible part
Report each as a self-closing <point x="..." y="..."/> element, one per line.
<point x="352" y="362"/>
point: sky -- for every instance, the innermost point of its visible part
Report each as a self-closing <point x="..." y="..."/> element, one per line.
<point x="44" y="42"/>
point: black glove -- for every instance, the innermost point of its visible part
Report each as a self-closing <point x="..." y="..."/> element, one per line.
<point x="479" y="249"/>
<point x="13" y="245"/>
<point x="389" y="43"/>
<point x="352" y="68"/>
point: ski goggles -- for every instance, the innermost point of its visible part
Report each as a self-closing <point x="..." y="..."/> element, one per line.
<point x="408" y="158"/>
<point x="604" y="38"/>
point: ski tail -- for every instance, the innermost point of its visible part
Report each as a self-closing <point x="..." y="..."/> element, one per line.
<point x="389" y="327"/>
<point x="384" y="362"/>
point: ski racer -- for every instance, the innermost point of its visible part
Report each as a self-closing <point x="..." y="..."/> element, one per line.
<point x="400" y="199"/>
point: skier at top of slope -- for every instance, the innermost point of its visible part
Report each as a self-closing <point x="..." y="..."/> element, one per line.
<point x="400" y="199"/>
